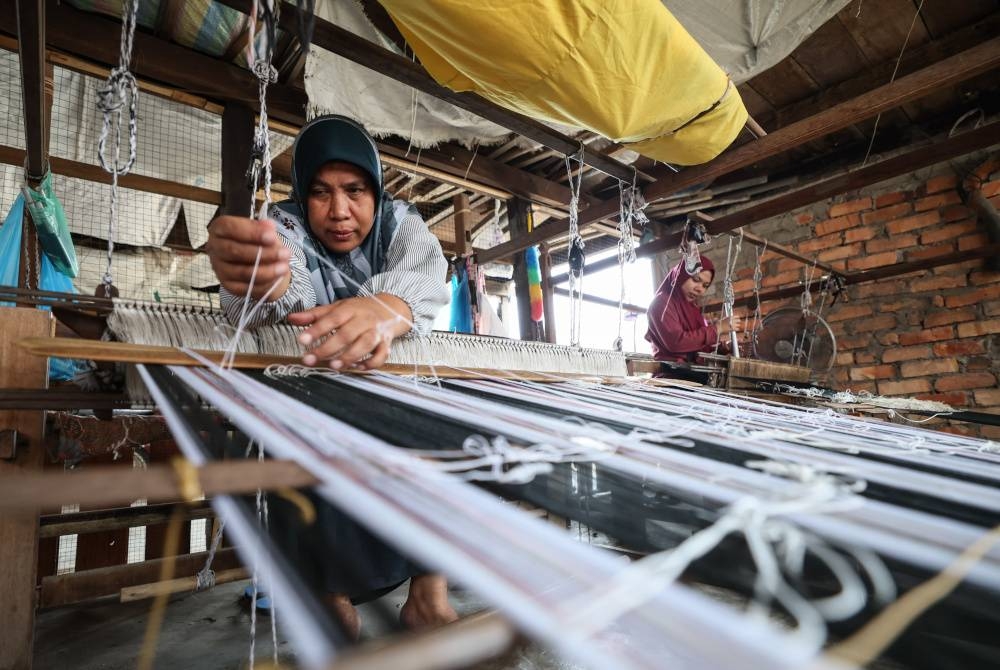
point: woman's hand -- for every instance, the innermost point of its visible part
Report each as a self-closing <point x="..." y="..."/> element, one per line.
<point x="233" y="242"/>
<point x="348" y="330"/>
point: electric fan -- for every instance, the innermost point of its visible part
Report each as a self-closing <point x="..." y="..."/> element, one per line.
<point x="797" y="337"/>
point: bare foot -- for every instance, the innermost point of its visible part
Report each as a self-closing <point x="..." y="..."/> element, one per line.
<point x="341" y="607"/>
<point x="427" y="604"/>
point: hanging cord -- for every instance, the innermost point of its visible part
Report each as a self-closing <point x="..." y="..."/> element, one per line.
<point x="805" y="304"/>
<point x="577" y="259"/>
<point x="729" y="294"/>
<point x="895" y="70"/>
<point x="630" y="213"/>
<point x="120" y="92"/>
<point x="758" y="276"/>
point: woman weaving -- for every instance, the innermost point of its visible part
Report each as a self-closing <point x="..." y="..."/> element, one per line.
<point x="678" y="330"/>
<point x="356" y="269"/>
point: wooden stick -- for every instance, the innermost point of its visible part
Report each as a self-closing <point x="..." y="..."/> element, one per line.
<point x="109" y="485"/>
<point x="122" y="352"/>
<point x="179" y="585"/>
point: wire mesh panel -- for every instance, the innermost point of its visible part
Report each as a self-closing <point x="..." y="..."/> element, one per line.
<point x="156" y="237"/>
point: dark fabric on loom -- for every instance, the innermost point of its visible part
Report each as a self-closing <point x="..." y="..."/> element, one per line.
<point x="650" y="518"/>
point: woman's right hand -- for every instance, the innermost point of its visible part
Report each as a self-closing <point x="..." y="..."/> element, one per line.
<point x="233" y="243"/>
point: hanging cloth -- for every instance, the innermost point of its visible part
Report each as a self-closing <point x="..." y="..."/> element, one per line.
<point x="461" y="301"/>
<point x="626" y="69"/>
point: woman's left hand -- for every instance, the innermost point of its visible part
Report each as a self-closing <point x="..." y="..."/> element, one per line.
<point x="353" y="328"/>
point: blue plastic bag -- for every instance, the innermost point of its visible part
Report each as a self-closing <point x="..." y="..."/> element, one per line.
<point x="50" y="279"/>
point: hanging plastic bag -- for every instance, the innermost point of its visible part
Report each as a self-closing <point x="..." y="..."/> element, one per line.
<point x="50" y="277"/>
<point x="50" y="225"/>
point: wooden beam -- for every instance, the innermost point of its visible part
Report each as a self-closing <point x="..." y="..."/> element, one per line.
<point x="463" y="222"/>
<point x="548" y="304"/>
<point x="77" y="587"/>
<point x="237" y="145"/>
<point x="359" y="50"/>
<point x="19" y="530"/>
<point x="517" y="217"/>
<point x="95" y="38"/>
<point x="597" y="300"/>
<point x="31" y="52"/>
<point x="904" y="163"/>
<point x="54" y="525"/>
<point x="63" y="166"/>
<point x="948" y="72"/>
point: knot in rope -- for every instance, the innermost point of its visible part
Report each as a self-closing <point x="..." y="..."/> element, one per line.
<point x="120" y="92"/>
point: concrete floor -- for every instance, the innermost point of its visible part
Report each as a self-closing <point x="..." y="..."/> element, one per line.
<point x="204" y="630"/>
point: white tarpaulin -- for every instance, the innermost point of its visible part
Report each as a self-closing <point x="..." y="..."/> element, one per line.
<point x="745" y="37"/>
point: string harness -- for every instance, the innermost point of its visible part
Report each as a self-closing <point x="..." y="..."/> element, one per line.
<point x="577" y="258"/>
<point x="729" y="294"/>
<point x="631" y="214"/>
<point x="118" y="96"/>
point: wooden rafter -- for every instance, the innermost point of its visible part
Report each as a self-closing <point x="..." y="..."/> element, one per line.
<point x="915" y="159"/>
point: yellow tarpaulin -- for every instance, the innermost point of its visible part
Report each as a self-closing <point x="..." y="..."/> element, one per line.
<point x="623" y="68"/>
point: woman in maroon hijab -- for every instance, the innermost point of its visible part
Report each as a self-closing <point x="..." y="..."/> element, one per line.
<point x="677" y="328"/>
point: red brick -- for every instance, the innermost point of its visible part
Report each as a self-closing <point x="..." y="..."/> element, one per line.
<point x="941" y="183"/>
<point x="820" y="243"/>
<point x="937" y="282"/>
<point x="874" y="323"/>
<point x="991" y="188"/>
<point x="971" y="297"/>
<point x="955" y="398"/>
<point x="844" y="358"/>
<point x="905" y="387"/>
<point x="970" y="242"/>
<point x="937" y="201"/>
<point x="864" y="358"/>
<point x="960" y="348"/>
<point x="980" y="277"/>
<point x="837" y="253"/>
<point x="837" y="224"/>
<point x="979" y="328"/>
<point x="956" y="213"/>
<point x="912" y="223"/>
<point x="850" y="207"/>
<point x="845" y="312"/>
<point x="990" y="432"/>
<point x="887" y="199"/>
<point x="888" y="339"/>
<point x="978" y="363"/>
<point x="872" y="261"/>
<point x="947" y="232"/>
<point x="898" y="305"/>
<point x="743" y="286"/>
<point x="930" y="252"/>
<point x="784" y="265"/>
<point x="992" y="308"/>
<point x="990" y="397"/>
<point x="927" y="368"/>
<point x="887" y="213"/>
<point x="858" y="235"/>
<point x="880" y="288"/>
<point x="969" y="380"/>
<point x="897" y="354"/>
<point x="783" y="279"/>
<point x="960" y="429"/>
<point x="854" y="342"/>
<point x="872" y="372"/>
<point x="927" y="335"/>
<point x="953" y="316"/>
<point x="891" y="244"/>
<point x="857" y="387"/>
<point x="803" y="218"/>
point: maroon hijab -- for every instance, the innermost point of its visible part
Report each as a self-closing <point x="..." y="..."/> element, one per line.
<point x="677" y="328"/>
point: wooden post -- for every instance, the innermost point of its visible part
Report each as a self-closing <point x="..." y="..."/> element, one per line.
<point x="517" y="224"/>
<point x="19" y="530"/>
<point x="548" y="300"/>
<point x="463" y="224"/>
<point x="237" y="145"/>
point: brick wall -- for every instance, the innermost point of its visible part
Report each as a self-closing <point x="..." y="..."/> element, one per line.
<point x="933" y="334"/>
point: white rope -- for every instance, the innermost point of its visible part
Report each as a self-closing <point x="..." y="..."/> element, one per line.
<point x="576" y="247"/>
<point x="118" y="94"/>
